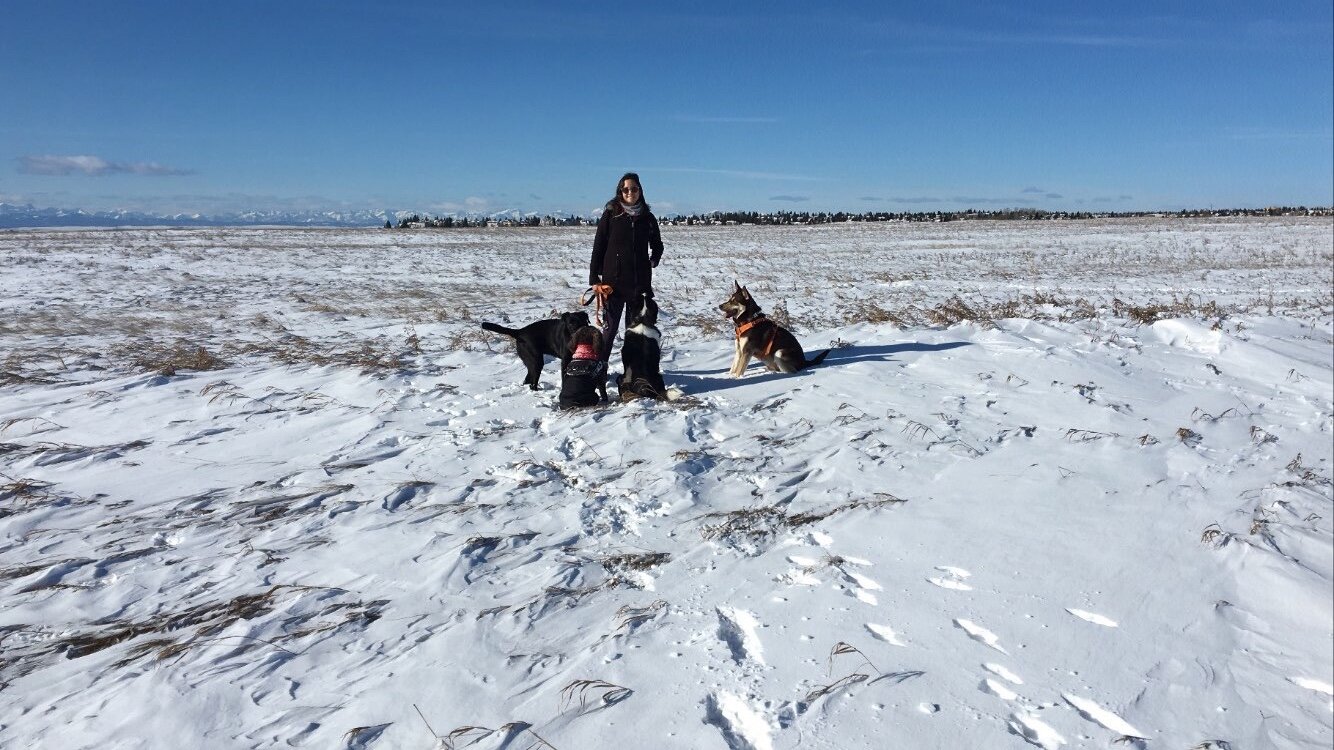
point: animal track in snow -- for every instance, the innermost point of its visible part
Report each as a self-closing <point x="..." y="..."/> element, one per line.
<point x="1310" y="684"/>
<point x="953" y="579"/>
<point x="862" y="585"/>
<point x="1092" y="617"/>
<point x="1003" y="673"/>
<point x="742" y="726"/>
<point x="991" y="687"/>
<point x="863" y="581"/>
<point x="1091" y="711"/>
<point x="981" y="634"/>
<point x="737" y="628"/>
<point x="885" y="633"/>
<point x="820" y="539"/>
<point x="1035" y="731"/>
<point x="807" y="568"/>
<point x="1317" y="685"/>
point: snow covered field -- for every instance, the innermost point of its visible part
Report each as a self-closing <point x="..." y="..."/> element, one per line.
<point x="1059" y="484"/>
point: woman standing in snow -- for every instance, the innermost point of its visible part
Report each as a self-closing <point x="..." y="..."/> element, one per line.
<point x="627" y="232"/>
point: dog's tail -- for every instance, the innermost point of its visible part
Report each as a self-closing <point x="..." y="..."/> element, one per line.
<point x="816" y="359"/>
<point x="500" y="329"/>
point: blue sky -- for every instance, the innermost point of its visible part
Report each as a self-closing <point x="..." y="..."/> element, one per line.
<point x="540" y="106"/>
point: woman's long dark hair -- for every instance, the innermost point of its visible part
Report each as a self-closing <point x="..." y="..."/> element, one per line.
<point x="615" y="203"/>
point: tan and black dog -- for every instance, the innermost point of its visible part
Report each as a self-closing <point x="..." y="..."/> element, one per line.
<point x="761" y="338"/>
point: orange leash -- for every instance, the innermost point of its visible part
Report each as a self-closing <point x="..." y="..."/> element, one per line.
<point x="600" y="293"/>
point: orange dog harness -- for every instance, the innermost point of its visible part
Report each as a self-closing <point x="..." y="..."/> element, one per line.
<point x="768" y="342"/>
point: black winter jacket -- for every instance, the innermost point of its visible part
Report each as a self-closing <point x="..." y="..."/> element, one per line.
<point x="621" y="251"/>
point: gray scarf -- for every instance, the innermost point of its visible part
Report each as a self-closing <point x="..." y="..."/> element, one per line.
<point x="634" y="209"/>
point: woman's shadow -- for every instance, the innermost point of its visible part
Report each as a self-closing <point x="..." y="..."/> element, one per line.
<point x="695" y="382"/>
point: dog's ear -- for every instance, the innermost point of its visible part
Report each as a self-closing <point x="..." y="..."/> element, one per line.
<point x="736" y="284"/>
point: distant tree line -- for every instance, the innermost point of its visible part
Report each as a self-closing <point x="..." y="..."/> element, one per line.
<point x="782" y="218"/>
<point x="417" y="221"/>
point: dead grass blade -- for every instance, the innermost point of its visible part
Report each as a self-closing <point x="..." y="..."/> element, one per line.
<point x="841" y="648"/>
<point x="822" y="690"/>
<point x="610" y="694"/>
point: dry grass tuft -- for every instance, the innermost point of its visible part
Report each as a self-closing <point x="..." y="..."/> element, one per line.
<point x="372" y="355"/>
<point x="751" y="527"/>
<point x="168" y="359"/>
<point x="1189" y="306"/>
<point x="617" y="564"/>
<point x="1215" y="537"/>
<point x="821" y="691"/>
<point x="956" y="310"/>
<point x="1307" y="474"/>
<point x="204" y="622"/>
<point x="610" y="694"/>
<point x="1075" y="435"/>
<point x="471" y="735"/>
<point x="710" y="325"/>
<point x="629" y="618"/>
<point x="842" y="648"/>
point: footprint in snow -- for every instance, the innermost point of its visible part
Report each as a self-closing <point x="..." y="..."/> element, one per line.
<point x="739" y="630"/>
<point x="1092" y="617"/>
<point x="862" y="586"/>
<point x="1095" y="713"/>
<point x="992" y="687"/>
<point x="954" y="578"/>
<point x="1003" y="673"/>
<point x="1310" y="684"/>
<point x="820" y="539"/>
<point x="1035" y="731"/>
<point x="886" y="634"/>
<point x="804" y="572"/>
<point x="743" y="726"/>
<point x="981" y="634"/>
<point x="1319" y="686"/>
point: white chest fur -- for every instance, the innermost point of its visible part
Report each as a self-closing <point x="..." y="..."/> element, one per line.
<point x="644" y="330"/>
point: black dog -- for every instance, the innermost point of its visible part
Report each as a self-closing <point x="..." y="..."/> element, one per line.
<point x="549" y="337"/>
<point x="583" y="380"/>
<point x="641" y="355"/>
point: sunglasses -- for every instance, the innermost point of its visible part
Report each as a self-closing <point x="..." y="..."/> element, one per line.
<point x="629" y="190"/>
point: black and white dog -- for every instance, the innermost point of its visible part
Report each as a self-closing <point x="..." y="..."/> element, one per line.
<point x="545" y="338"/>
<point x="641" y="355"/>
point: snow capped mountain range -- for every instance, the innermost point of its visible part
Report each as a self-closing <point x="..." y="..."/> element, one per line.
<point x="16" y="215"/>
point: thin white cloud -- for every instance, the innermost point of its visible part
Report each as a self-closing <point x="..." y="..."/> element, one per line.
<point x="742" y="174"/>
<point x="790" y="198"/>
<point x="93" y="165"/>
<point x="471" y="204"/>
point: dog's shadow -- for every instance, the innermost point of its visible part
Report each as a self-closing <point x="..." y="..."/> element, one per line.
<point x="695" y="382"/>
